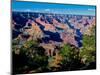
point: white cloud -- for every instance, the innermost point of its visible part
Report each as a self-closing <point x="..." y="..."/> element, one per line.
<point x="47" y="9"/>
<point x="90" y="9"/>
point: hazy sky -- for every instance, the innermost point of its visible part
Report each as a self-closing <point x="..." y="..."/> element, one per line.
<point x="53" y="8"/>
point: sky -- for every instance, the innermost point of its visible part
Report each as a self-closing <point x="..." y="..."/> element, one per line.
<point x="53" y="8"/>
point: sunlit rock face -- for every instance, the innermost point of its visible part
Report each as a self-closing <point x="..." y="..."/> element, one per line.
<point x="58" y="28"/>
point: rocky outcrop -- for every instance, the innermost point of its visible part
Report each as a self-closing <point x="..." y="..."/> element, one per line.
<point x="54" y="27"/>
